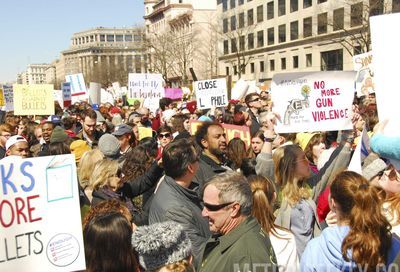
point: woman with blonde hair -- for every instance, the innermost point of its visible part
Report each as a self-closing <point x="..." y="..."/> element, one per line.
<point x="85" y="169"/>
<point x="362" y="239"/>
<point x="282" y="240"/>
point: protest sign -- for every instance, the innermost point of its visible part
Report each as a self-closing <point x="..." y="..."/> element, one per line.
<point x="239" y="90"/>
<point x="78" y="87"/>
<point x="117" y="89"/>
<point x="94" y="93"/>
<point x="232" y="131"/>
<point x="148" y="87"/>
<point x="365" y="74"/>
<point x="2" y="100"/>
<point x="316" y="101"/>
<point x="145" y="132"/>
<point x="106" y="96"/>
<point x="211" y="93"/>
<point x="173" y="93"/>
<point x="386" y="61"/>
<point x="66" y="94"/>
<point x="35" y="99"/>
<point x="360" y="153"/>
<point x="57" y="95"/>
<point x="8" y="93"/>
<point x="40" y="215"/>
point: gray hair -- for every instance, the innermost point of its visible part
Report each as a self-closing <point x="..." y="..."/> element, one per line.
<point x="233" y="187"/>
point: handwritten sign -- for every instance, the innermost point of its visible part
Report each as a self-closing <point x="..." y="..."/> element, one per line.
<point x="78" y="88"/>
<point x="40" y="215"/>
<point x="211" y="93"/>
<point x="35" y="99"/>
<point x="8" y="93"/>
<point x="319" y="101"/>
<point x="232" y="131"/>
<point x="66" y="94"/>
<point x="148" y="87"/>
<point x="365" y="74"/>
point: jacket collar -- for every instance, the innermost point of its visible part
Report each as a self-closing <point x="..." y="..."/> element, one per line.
<point x="190" y="194"/>
<point x="217" y="168"/>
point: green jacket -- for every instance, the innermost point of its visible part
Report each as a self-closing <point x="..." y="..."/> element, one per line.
<point x="246" y="248"/>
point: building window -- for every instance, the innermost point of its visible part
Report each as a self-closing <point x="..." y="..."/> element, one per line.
<point x="376" y="7"/>
<point x="294" y="5"/>
<point x="224" y="5"/>
<point x="233" y="4"/>
<point x="235" y="70"/>
<point x="395" y="5"/>
<point x="308" y="60"/>
<point x="241" y="43"/>
<point x="250" y="17"/>
<point x="322" y="23"/>
<point x="240" y="2"/>
<point x="233" y="23"/>
<point x="294" y="30"/>
<point x="260" y="38"/>
<point x="332" y="60"/>
<point x="250" y="41"/>
<point x="281" y="7"/>
<point x="272" y="65"/>
<point x="252" y="68"/>
<point x="102" y="38"/>
<point x="357" y="50"/>
<point x="271" y="36"/>
<point x="282" y="33"/>
<point x="227" y="70"/>
<point x="233" y="46"/>
<point x="283" y="63"/>
<point x="226" y="47"/>
<point x="295" y="62"/>
<point x="307" y="27"/>
<point x="307" y="3"/>
<point x="225" y="25"/>
<point x="110" y="38"/>
<point x="270" y="10"/>
<point x="338" y="19"/>
<point x="119" y="38"/>
<point x="128" y="38"/>
<point x="262" y="68"/>
<point x="356" y="13"/>
<point x="241" y="20"/>
<point x="260" y="14"/>
<point x="321" y="1"/>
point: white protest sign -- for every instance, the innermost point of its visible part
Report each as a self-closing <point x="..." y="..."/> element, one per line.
<point x="8" y="97"/>
<point x="211" y="93"/>
<point x="66" y="93"/>
<point x="40" y="215"/>
<point x="57" y="94"/>
<point x="240" y="89"/>
<point x="117" y="89"/>
<point x="106" y="96"/>
<point x="386" y="61"/>
<point x="78" y="87"/>
<point x="316" y="101"/>
<point x="365" y="74"/>
<point x="148" y="87"/>
<point x="94" y="93"/>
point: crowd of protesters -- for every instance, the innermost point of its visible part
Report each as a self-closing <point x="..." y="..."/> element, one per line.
<point x="178" y="201"/>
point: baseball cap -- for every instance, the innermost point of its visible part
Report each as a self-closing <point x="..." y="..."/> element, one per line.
<point x="13" y="140"/>
<point x="122" y="130"/>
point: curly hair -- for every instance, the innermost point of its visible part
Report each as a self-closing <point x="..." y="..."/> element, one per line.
<point x="137" y="162"/>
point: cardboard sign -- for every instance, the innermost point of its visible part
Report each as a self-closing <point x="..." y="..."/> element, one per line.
<point x="232" y="131"/>
<point x="57" y="95"/>
<point x="78" y="87"/>
<point x="2" y="100"/>
<point x="317" y="101"/>
<point x="211" y="93"/>
<point x="66" y="94"/>
<point x="145" y="132"/>
<point x="40" y="215"/>
<point x="386" y="62"/>
<point x="173" y="93"/>
<point x="148" y="87"/>
<point x="35" y="99"/>
<point x="239" y="90"/>
<point x="365" y="74"/>
<point x="94" y="93"/>
<point x="8" y="93"/>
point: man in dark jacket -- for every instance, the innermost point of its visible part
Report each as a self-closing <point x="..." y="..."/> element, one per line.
<point x="253" y="102"/>
<point x="239" y="243"/>
<point x="175" y="200"/>
<point x="89" y="132"/>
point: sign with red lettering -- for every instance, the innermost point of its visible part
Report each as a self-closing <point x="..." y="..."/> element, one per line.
<point x="318" y="101"/>
<point x="232" y="131"/>
<point x="365" y="74"/>
<point x="211" y="93"/>
<point x="40" y="218"/>
<point x="147" y="87"/>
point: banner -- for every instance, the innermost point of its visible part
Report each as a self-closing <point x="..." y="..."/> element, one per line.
<point x="365" y="74"/>
<point x="232" y="131"/>
<point x="78" y="87"/>
<point x="8" y="93"/>
<point x="173" y="93"/>
<point x="211" y="93"/>
<point x="35" y="99"/>
<point x="40" y="215"/>
<point x="148" y="87"/>
<point x="94" y="93"/>
<point x="2" y="100"/>
<point x="66" y="94"/>
<point x="316" y="101"/>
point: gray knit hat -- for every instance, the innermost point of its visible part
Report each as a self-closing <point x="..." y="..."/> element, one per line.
<point x="109" y="146"/>
<point x="160" y="244"/>
<point x="372" y="166"/>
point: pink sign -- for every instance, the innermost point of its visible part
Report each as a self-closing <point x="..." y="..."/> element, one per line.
<point x="173" y="93"/>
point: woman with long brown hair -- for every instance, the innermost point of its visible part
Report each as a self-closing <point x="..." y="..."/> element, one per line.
<point x="362" y="239"/>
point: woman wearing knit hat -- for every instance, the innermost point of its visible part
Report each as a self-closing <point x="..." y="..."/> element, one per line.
<point x="163" y="247"/>
<point x="313" y="145"/>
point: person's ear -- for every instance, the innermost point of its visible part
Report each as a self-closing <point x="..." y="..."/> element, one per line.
<point x="204" y="143"/>
<point x="191" y="169"/>
<point x="235" y="210"/>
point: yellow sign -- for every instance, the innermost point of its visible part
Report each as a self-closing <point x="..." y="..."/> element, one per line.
<point x="36" y="99"/>
<point x="2" y="102"/>
<point x="145" y="132"/>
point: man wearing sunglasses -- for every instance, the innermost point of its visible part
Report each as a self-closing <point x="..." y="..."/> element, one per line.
<point x="238" y="243"/>
<point x="175" y="198"/>
<point x="254" y="105"/>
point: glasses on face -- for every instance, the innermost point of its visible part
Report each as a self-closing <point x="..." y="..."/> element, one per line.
<point x="214" y="208"/>
<point x="256" y="100"/>
<point x="6" y="135"/>
<point x="164" y="135"/>
<point x="391" y="172"/>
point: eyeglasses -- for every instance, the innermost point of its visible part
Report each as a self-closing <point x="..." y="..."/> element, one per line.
<point x="214" y="208"/>
<point x="391" y="172"/>
<point x="256" y="100"/>
<point x="6" y="135"/>
<point x="164" y="135"/>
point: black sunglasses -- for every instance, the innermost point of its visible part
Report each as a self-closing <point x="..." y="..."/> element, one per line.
<point x="165" y="135"/>
<point x="214" y="208"/>
<point x="255" y="99"/>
